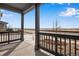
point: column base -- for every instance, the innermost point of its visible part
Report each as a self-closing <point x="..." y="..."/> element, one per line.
<point x="36" y="48"/>
<point x="22" y="39"/>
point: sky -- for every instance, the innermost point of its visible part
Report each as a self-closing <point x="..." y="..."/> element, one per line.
<point x="66" y="14"/>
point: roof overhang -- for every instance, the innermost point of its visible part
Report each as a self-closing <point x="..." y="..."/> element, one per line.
<point x="2" y="22"/>
<point x="17" y="7"/>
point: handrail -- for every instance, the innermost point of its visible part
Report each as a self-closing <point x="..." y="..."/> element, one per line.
<point x="55" y="42"/>
<point x="9" y="31"/>
<point x="9" y="36"/>
<point x="60" y="35"/>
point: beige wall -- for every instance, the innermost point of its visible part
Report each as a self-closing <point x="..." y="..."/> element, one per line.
<point x="3" y="27"/>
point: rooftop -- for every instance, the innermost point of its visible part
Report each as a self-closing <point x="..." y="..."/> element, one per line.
<point x="2" y="22"/>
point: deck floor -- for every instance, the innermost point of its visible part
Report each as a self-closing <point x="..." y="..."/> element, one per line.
<point x="25" y="48"/>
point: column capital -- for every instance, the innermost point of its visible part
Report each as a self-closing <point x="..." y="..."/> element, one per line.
<point x="37" y="4"/>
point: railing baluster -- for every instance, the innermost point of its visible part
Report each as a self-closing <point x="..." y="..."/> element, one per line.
<point x="60" y="46"/>
<point x="52" y="43"/>
<point x="65" y="46"/>
<point x="41" y="40"/>
<point x="1" y="37"/>
<point x="11" y="36"/>
<point x="17" y="35"/>
<point x="8" y="37"/>
<point x="46" y="41"/>
<point x="5" y="37"/>
<point x="75" y="47"/>
<point x="56" y="44"/>
<point x="49" y="42"/>
<point x="69" y="47"/>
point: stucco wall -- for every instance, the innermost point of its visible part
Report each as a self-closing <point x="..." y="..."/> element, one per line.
<point x="3" y="27"/>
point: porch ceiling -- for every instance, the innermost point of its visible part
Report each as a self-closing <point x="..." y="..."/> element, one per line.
<point x="17" y="7"/>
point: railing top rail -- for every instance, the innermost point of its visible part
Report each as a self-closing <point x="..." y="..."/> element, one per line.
<point x="60" y="35"/>
<point x="10" y="32"/>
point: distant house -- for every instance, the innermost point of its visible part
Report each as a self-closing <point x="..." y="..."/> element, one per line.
<point x="3" y="26"/>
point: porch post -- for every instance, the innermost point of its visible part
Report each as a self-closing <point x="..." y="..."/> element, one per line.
<point x="22" y="26"/>
<point x="37" y="26"/>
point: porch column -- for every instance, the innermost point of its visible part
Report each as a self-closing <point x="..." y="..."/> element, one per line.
<point x="22" y="26"/>
<point x="37" y="26"/>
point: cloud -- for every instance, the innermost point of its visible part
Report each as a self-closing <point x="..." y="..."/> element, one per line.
<point x="61" y="3"/>
<point x="56" y="3"/>
<point x="69" y="4"/>
<point x="7" y="15"/>
<point x="69" y="12"/>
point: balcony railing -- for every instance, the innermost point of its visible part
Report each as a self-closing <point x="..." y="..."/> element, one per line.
<point x="59" y="44"/>
<point x="9" y="36"/>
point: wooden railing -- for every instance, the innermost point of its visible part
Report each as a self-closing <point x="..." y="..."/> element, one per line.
<point x="59" y="44"/>
<point x="7" y="37"/>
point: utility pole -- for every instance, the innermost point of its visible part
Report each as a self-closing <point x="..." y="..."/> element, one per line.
<point x="53" y="26"/>
<point x="56" y="25"/>
<point x="1" y="14"/>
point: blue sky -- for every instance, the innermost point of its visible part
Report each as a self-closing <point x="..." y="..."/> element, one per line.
<point x="67" y="16"/>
